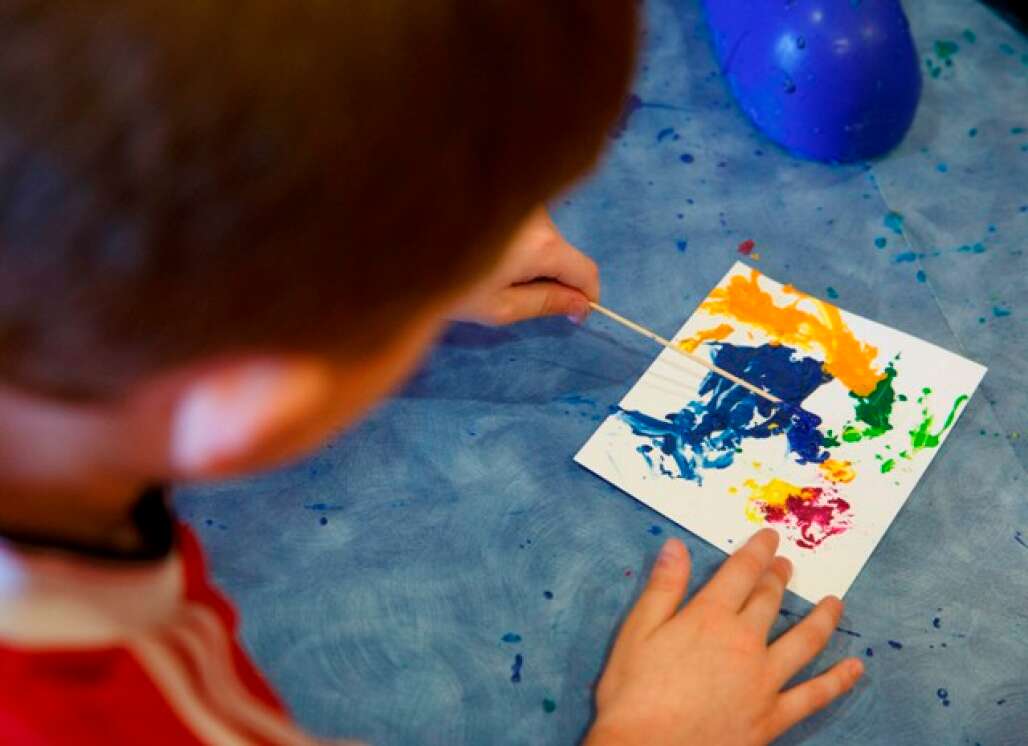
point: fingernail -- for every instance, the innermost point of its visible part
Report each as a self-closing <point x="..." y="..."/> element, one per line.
<point x="578" y="314"/>
<point x="671" y="553"/>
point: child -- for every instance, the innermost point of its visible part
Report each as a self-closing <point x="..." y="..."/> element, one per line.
<point x="226" y="230"/>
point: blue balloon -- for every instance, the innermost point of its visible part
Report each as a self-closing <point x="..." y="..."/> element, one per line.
<point x="832" y="80"/>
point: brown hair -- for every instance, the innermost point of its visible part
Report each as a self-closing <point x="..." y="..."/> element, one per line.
<point x="187" y="179"/>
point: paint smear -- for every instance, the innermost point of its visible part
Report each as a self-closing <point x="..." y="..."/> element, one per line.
<point x="709" y="432"/>
<point x="922" y="436"/>
<point x="846" y="357"/>
<point x="874" y="411"/>
<point x="747" y="246"/>
<point x="838" y="471"/>
<point x="810" y="514"/>
<point x="706" y="335"/>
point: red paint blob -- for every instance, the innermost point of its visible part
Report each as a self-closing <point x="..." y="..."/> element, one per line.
<point x="747" y="246"/>
<point x="815" y="514"/>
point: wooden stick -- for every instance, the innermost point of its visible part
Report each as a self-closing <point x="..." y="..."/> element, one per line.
<point x="672" y="346"/>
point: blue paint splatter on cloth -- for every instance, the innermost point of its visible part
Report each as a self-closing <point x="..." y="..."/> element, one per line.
<point x="707" y="434"/>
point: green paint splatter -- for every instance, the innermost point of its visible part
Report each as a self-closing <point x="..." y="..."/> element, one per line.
<point x="549" y="706"/>
<point x="944" y="49"/>
<point x="969" y="35"/>
<point x="922" y="436"/>
<point x="831" y="440"/>
<point x="888" y="465"/>
<point x="873" y="410"/>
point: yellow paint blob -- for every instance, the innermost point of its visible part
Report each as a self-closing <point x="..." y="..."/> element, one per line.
<point x="838" y="471"/>
<point x="774" y="493"/>
<point x="846" y="357"/>
<point x="718" y="332"/>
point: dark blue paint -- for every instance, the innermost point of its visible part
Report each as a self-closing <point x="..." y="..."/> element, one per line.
<point x="906" y="256"/>
<point x="515" y="670"/>
<point x="706" y="434"/>
<point x="655" y="530"/>
<point x="895" y="645"/>
<point x="548" y="595"/>
<point x="921" y="276"/>
<point x="880" y="242"/>
<point x="942" y="168"/>
<point x="323" y="521"/>
<point x="682" y="245"/>
<point x="870" y="653"/>
<point x="943" y="695"/>
<point x="686" y="158"/>
<point x="511" y="637"/>
<point x="832" y="292"/>
<point x="937" y="623"/>
<point x="665" y="133"/>
<point x="322" y="507"/>
<point x="1019" y="538"/>
<point x="999" y="311"/>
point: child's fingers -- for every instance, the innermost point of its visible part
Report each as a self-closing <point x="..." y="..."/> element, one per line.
<point x="734" y="582"/>
<point x="663" y="594"/>
<point x="534" y="299"/>
<point x="761" y="609"/>
<point x="804" y="700"/>
<point x="801" y="644"/>
<point x="571" y="267"/>
<point x="559" y="260"/>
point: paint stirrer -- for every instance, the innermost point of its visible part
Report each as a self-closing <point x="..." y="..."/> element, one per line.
<point x="668" y="344"/>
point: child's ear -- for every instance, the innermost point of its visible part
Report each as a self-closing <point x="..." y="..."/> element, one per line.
<point x="247" y="414"/>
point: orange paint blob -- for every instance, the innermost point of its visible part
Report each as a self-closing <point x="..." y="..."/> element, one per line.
<point x="838" y="471"/>
<point x="847" y="358"/>
<point x="718" y="332"/>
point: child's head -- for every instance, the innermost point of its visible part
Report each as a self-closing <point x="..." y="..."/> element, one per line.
<point x="231" y="226"/>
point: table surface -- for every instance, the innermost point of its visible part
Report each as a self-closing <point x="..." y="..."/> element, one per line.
<point x="378" y="579"/>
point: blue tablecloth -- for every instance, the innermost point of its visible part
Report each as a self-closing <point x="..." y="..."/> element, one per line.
<point x="391" y="583"/>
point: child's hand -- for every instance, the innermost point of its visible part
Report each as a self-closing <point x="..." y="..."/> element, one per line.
<point x="541" y="274"/>
<point x="705" y="674"/>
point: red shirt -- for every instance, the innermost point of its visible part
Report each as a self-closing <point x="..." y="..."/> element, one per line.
<point x="109" y="652"/>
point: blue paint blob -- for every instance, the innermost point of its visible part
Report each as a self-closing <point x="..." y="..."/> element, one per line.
<point x="832" y="292"/>
<point x="1020" y="539"/>
<point x="686" y="158"/>
<point x="921" y="276"/>
<point x="973" y="132"/>
<point x="894" y="222"/>
<point x="515" y="670"/>
<point x="549" y="706"/>
<point x="937" y="623"/>
<point x="895" y="645"/>
<point x="906" y="256"/>
<point x="323" y="521"/>
<point x="999" y="311"/>
<point x="682" y="245"/>
<point x="942" y="168"/>
<point x="880" y="242"/>
<point x="655" y="530"/>
<point x="511" y="637"/>
<point x="707" y="433"/>
<point x="548" y="595"/>
<point x="665" y="133"/>
<point x="943" y="695"/>
<point x="870" y="653"/>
